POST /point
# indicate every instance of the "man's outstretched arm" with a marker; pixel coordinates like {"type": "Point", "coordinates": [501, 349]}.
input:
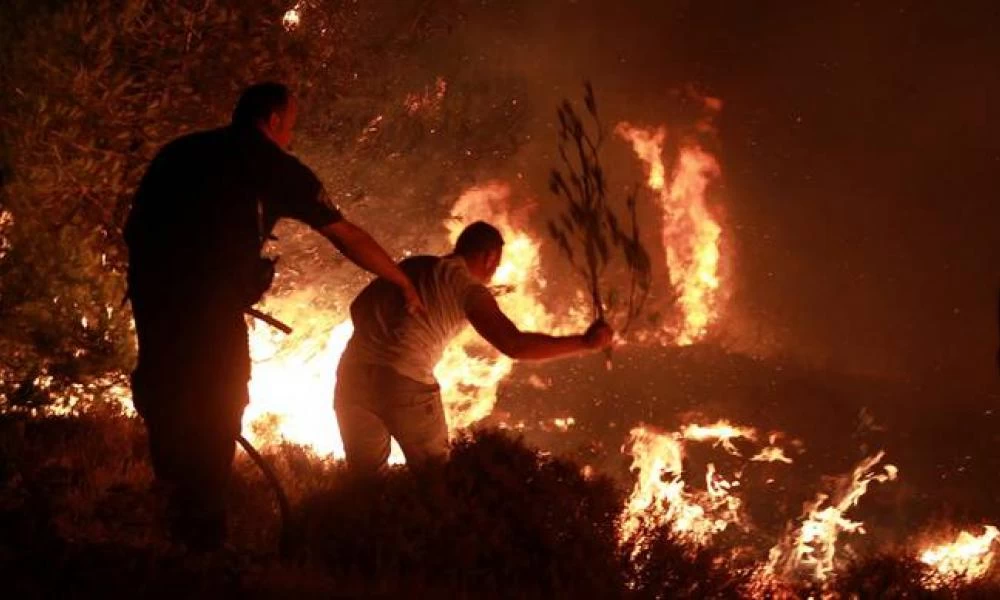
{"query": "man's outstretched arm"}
{"type": "Point", "coordinates": [489, 321]}
{"type": "Point", "coordinates": [361, 249]}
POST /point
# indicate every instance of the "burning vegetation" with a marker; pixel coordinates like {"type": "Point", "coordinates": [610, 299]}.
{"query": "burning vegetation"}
{"type": "Point", "coordinates": [677, 524]}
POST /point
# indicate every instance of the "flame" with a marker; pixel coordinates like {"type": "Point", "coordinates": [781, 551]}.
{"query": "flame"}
{"type": "Point", "coordinates": [291, 388]}
{"type": "Point", "coordinates": [813, 546]}
{"type": "Point", "coordinates": [470, 370]}
{"type": "Point", "coordinates": [722, 432]}
{"type": "Point", "coordinates": [969, 557]}
{"type": "Point", "coordinates": [690, 234]}
{"type": "Point", "coordinates": [661, 497]}
{"type": "Point", "coordinates": [771, 452]}
{"type": "Point", "coordinates": [293, 380]}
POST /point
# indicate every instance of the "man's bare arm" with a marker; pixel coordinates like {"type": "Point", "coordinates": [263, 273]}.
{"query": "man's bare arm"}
{"type": "Point", "coordinates": [361, 249]}
{"type": "Point", "coordinates": [489, 321]}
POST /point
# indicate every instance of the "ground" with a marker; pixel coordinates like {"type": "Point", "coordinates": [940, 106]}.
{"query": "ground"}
{"type": "Point", "coordinates": [79, 512]}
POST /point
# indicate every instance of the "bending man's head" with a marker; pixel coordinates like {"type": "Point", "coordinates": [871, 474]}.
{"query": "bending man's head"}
{"type": "Point", "coordinates": [269, 107]}
{"type": "Point", "coordinates": [481, 245]}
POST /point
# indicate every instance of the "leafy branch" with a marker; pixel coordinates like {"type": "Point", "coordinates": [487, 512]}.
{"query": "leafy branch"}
{"type": "Point", "coordinates": [588, 232]}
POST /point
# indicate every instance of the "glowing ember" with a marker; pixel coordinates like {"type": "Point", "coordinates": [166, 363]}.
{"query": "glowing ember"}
{"type": "Point", "coordinates": [967, 558]}
{"type": "Point", "coordinates": [429, 100]}
{"type": "Point", "coordinates": [291, 18]}
{"type": "Point", "coordinates": [690, 234]}
{"type": "Point", "coordinates": [6, 224]}
{"type": "Point", "coordinates": [561, 424]}
{"type": "Point", "coordinates": [812, 547]}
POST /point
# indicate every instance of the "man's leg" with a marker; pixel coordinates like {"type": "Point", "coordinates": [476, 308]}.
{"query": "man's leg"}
{"type": "Point", "coordinates": [190, 387]}
{"type": "Point", "coordinates": [416, 419]}
{"type": "Point", "coordinates": [209, 444]}
{"type": "Point", "coordinates": [365, 436]}
{"type": "Point", "coordinates": [216, 397]}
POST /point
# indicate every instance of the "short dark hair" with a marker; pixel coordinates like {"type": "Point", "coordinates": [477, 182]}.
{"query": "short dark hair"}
{"type": "Point", "coordinates": [477, 238]}
{"type": "Point", "coordinates": [259, 101]}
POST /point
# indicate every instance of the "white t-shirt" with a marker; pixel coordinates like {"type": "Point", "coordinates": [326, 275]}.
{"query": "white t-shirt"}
{"type": "Point", "coordinates": [386, 334]}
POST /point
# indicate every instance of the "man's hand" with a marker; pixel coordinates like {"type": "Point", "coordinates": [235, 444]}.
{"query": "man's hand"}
{"type": "Point", "coordinates": [359, 247]}
{"type": "Point", "coordinates": [414, 305]}
{"type": "Point", "coordinates": [598, 335]}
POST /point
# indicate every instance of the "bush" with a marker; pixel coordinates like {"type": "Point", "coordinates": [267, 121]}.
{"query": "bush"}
{"type": "Point", "coordinates": [664, 566]}
{"type": "Point", "coordinates": [497, 518]}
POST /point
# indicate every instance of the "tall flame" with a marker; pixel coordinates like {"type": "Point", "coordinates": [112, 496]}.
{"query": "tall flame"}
{"type": "Point", "coordinates": [690, 234]}
{"type": "Point", "coordinates": [967, 558]}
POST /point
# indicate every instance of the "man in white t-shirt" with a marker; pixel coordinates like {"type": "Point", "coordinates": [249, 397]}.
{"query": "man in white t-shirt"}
{"type": "Point", "coordinates": [385, 382]}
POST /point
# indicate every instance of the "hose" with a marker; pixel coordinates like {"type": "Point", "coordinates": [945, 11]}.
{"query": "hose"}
{"type": "Point", "coordinates": [284, 507]}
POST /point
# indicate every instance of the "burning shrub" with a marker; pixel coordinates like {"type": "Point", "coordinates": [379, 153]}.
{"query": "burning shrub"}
{"type": "Point", "coordinates": [661, 564]}
{"type": "Point", "coordinates": [898, 575]}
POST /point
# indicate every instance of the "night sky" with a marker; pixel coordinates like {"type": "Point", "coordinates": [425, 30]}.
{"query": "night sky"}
{"type": "Point", "coordinates": [860, 152]}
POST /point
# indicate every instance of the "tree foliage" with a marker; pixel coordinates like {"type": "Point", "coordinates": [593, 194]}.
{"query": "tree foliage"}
{"type": "Point", "coordinates": [96, 87]}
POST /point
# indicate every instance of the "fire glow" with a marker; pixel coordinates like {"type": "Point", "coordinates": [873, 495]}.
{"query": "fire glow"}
{"type": "Point", "coordinates": [690, 234]}
{"type": "Point", "coordinates": [969, 557]}
{"type": "Point", "coordinates": [662, 498]}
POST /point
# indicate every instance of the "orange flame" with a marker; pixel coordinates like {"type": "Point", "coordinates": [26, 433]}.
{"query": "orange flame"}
{"type": "Point", "coordinates": [771, 452]}
{"type": "Point", "coordinates": [813, 546]}
{"type": "Point", "coordinates": [662, 498]}
{"type": "Point", "coordinates": [722, 432]}
{"type": "Point", "coordinates": [291, 390]}
{"type": "Point", "coordinates": [690, 234]}
{"type": "Point", "coordinates": [968, 558]}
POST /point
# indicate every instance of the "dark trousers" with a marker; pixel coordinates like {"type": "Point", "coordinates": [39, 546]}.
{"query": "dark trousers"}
{"type": "Point", "coordinates": [190, 387]}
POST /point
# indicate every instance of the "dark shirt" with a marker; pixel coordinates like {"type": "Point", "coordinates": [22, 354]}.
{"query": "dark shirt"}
{"type": "Point", "coordinates": [205, 206]}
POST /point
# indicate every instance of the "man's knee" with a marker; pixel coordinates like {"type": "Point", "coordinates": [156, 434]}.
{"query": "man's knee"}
{"type": "Point", "coordinates": [365, 438]}
{"type": "Point", "coordinates": [421, 429]}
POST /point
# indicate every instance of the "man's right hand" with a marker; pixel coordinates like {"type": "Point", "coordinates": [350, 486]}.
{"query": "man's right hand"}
{"type": "Point", "coordinates": [598, 335]}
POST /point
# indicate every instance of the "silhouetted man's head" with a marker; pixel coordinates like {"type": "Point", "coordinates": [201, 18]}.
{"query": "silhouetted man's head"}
{"type": "Point", "coordinates": [481, 245]}
{"type": "Point", "coordinates": [269, 107]}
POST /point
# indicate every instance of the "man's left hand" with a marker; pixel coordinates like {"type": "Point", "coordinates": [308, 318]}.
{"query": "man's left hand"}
{"type": "Point", "coordinates": [414, 305]}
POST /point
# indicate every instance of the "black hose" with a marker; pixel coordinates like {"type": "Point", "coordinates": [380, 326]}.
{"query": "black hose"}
{"type": "Point", "coordinates": [284, 507]}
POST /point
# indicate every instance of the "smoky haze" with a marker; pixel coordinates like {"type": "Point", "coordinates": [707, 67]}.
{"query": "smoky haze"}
{"type": "Point", "coordinates": [858, 149]}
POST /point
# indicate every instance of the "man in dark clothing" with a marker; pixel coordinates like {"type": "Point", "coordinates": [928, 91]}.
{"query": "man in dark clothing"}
{"type": "Point", "coordinates": [195, 232]}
